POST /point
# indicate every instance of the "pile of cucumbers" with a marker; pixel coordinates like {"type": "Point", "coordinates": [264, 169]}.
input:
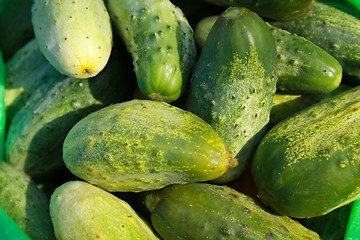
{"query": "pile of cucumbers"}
{"type": "Point", "coordinates": [159, 119]}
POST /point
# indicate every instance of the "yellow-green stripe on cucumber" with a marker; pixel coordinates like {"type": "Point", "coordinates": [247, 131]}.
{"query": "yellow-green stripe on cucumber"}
{"type": "Point", "coordinates": [233, 82]}
{"type": "Point", "coordinates": [142, 145]}
{"type": "Point", "coordinates": [308, 164]}
{"type": "Point", "coordinates": [80, 210]}
{"type": "Point", "coordinates": [208, 211]}
{"type": "Point", "coordinates": [161, 43]}
{"type": "Point", "coordinates": [75, 36]}
{"type": "Point", "coordinates": [333, 30]}
{"type": "Point", "coordinates": [302, 66]}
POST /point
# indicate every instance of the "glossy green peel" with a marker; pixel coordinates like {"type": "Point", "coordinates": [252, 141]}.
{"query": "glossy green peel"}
{"type": "Point", "coordinates": [161, 43]}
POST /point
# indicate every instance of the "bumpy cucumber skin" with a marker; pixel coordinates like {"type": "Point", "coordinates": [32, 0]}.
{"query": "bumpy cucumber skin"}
{"type": "Point", "coordinates": [207, 211]}
{"type": "Point", "coordinates": [233, 83]}
{"type": "Point", "coordinates": [307, 165]}
{"type": "Point", "coordinates": [332, 30]}
{"type": "Point", "coordinates": [142, 145]}
{"type": "Point", "coordinates": [274, 9]}
{"type": "Point", "coordinates": [26, 70]}
{"type": "Point", "coordinates": [302, 66]}
{"type": "Point", "coordinates": [161, 43]}
{"type": "Point", "coordinates": [80, 210]}
{"type": "Point", "coordinates": [75, 36]}
{"type": "Point", "coordinates": [38, 129]}
{"type": "Point", "coordinates": [285, 105]}
{"type": "Point", "coordinates": [25, 203]}
{"type": "Point", "coordinates": [15, 25]}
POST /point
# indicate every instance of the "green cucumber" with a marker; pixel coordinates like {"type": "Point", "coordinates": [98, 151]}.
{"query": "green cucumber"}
{"type": "Point", "coordinates": [80, 210]}
{"type": "Point", "coordinates": [161, 43]}
{"type": "Point", "coordinates": [308, 164]}
{"type": "Point", "coordinates": [208, 211]}
{"type": "Point", "coordinates": [345, 6]}
{"type": "Point", "coordinates": [37, 131]}
{"type": "Point", "coordinates": [142, 145]}
{"type": "Point", "coordinates": [302, 66]}
{"type": "Point", "coordinates": [75, 36]}
{"type": "Point", "coordinates": [10, 229]}
{"type": "Point", "coordinates": [233, 83]}
{"type": "Point", "coordinates": [15, 25]}
{"type": "Point", "coordinates": [274, 9]}
{"type": "Point", "coordinates": [285, 104]}
{"type": "Point", "coordinates": [24, 203]}
{"type": "Point", "coordinates": [333, 30]}
{"type": "Point", "coordinates": [26, 70]}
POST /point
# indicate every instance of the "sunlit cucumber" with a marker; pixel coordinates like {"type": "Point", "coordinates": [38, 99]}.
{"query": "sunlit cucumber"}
{"type": "Point", "coordinates": [141, 145]}
{"type": "Point", "coordinates": [75, 36]}
{"type": "Point", "coordinates": [23, 202]}
{"type": "Point", "coordinates": [302, 66]}
{"type": "Point", "coordinates": [308, 164]}
{"type": "Point", "coordinates": [161, 43]}
{"type": "Point", "coordinates": [274, 9]}
{"type": "Point", "coordinates": [233, 83]}
{"type": "Point", "coordinates": [333, 30]}
{"type": "Point", "coordinates": [37, 131]}
{"type": "Point", "coordinates": [80, 210]}
{"type": "Point", "coordinates": [206, 211]}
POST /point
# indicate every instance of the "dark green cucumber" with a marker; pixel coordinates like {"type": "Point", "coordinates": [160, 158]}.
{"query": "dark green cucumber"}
{"type": "Point", "coordinates": [233, 83]}
{"type": "Point", "coordinates": [80, 210]}
{"type": "Point", "coordinates": [15, 25]}
{"type": "Point", "coordinates": [207, 211]}
{"type": "Point", "coordinates": [345, 6]}
{"type": "Point", "coordinates": [142, 145]}
{"type": "Point", "coordinates": [37, 131]}
{"type": "Point", "coordinates": [285, 105]}
{"type": "Point", "coordinates": [308, 164]}
{"type": "Point", "coordinates": [274, 9]}
{"type": "Point", "coordinates": [302, 66]}
{"type": "Point", "coordinates": [161, 42]}
{"type": "Point", "coordinates": [333, 30]}
{"type": "Point", "coordinates": [23, 202]}
{"type": "Point", "coordinates": [26, 70]}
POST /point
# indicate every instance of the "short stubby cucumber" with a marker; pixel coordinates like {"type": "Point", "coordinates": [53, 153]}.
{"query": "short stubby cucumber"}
{"type": "Point", "coordinates": [302, 66]}
{"type": "Point", "coordinates": [274, 9]}
{"type": "Point", "coordinates": [80, 210]}
{"type": "Point", "coordinates": [25, 203]}
{"type": "Point", "coordinates": [233, 82]}
{"type": "Point", "coordinates": [26, 70]}
{"type": "Point", "coordinates": [142, 145]}
{"type": "Point", "coordinates": [334, 31]}
{"type": "Point", "coordinates": [308, 164]}
{"type": "Point", "coordinates": [74, 36]}
{"type": "Point", "coordinates": [208, 211]}
{"type": "Point", "coordinates": [37, 131]}
{"type": "Point", "coordinates": [161, 43]}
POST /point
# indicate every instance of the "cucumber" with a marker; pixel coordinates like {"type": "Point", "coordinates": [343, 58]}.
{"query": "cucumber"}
{"type": "Point", "coordinates": [10, 229]}
{"type": "Point", "coordinates": [82, 211]}
{"type": "Point", "coordinates": [37, 131]}
{"type": "Point", "coordinates": [141, 145]}
{"type": "Point", "coordinates": [75, 36]}
{"type": "Point", "coordinates": [333, 30]}
{"type": "Point", "coordinates": [302, 66]}
{"type": "Point", "coordinates": [208, 211]}
{"type": "Point", "coordinates": [161, 43]}
{"type": "Point", "coordinates": [26, 70]}
{"type": "Point", "coordinates": [285, 104]}
{"type": "Point", "coordinates": [274, 9]}
{"type": "Point", "coordinates": [345, 6]}
{"type": "Point", "coordinates": [233, 83]}
{"type": "Point", "coordinates": [15, 25]}
{"type": "Point", "coordinates": [24, 203]}
{"type": "Point", "coordinates": [308, 164]}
